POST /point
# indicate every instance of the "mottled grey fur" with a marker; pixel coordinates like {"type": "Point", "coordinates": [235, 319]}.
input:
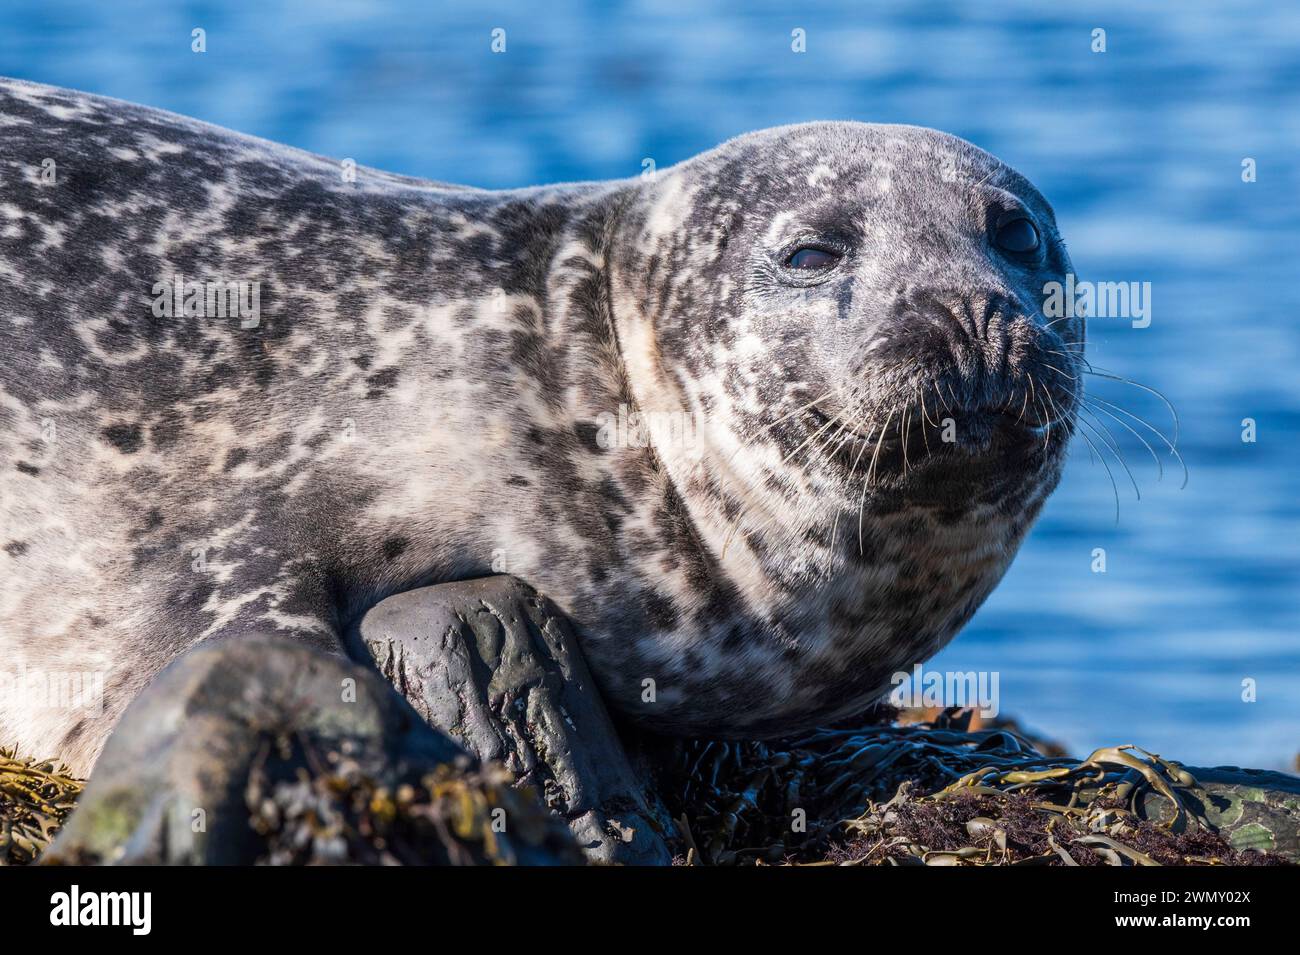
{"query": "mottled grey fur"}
{"type": "Point", "coordinates": [428, 396]}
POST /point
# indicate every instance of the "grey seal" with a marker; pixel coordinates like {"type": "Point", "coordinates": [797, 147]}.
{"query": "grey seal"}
{"type": "Point", "coordinates": [768, 425]}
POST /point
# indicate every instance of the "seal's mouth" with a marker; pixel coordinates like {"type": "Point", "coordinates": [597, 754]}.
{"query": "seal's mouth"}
{"type": "Point", "coordinates": [929, 440]}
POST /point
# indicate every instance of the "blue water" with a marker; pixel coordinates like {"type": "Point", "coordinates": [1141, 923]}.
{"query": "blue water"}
{"type": "Point", "coordinates": [1139, 148]}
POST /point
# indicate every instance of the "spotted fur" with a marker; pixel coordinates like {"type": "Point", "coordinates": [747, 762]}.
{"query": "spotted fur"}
{"type": "Point", "coordinates": [427, 397]}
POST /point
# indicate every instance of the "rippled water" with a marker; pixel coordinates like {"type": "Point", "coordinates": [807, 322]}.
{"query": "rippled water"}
{"type": "Point", "coordinates": [1139, 149]}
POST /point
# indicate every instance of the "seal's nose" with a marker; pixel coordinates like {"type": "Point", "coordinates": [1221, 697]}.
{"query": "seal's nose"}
{"type": "Point", "coordinates": [981, 329]}
{"type": "Point", "coordinates": [984, 354]}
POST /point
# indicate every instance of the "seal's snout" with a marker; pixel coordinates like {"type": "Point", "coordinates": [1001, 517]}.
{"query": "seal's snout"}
{"type": "Point", "coordinates": [980, 331]}
{"type": "Point", "coordinates": [976, 373]}
{"type": "Point", "coordinates": [996, 363]}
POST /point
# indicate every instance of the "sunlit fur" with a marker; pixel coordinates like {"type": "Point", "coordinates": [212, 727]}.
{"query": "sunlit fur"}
{"type": "Point", "coordinates": [427, 396]}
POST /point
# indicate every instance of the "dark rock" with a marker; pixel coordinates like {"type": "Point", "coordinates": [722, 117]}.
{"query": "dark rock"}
{"type": "Point", "coordinates": [209, 763]}
{"type": "Point", "coordinates": [496, 666]}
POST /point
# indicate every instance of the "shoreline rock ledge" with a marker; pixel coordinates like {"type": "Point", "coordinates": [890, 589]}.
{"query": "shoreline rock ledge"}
{"type": "Point", "coordinates": [499, 749]}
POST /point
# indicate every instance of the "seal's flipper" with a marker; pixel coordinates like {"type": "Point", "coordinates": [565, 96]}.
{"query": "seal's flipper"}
{"type": "Point", "coordinates": [257, 749]}
{"type": "Point", "coordinates": [495, 665]}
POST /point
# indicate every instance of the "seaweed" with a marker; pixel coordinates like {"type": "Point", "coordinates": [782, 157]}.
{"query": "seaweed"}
{"type": "Point", "coordinates": [872, 791]}
{"type": "Point", "coordinates": [334, 814]}
{"type": "Point", "coordinates": [35, 799]}
{"type": "Point", "coordinates": [932, 793]}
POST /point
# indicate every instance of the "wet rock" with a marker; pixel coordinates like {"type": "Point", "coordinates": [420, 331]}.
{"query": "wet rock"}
{"type": "Point", "coordinates": [1250, 808]}
{"type": "Point", "coordinates": [238, 744]}
{"type": "Point", "coordinates": [868, 792]}
{"type": "Point", "coordinates": [496, 666]}
{"type": "Point", "coordinates": [451, 816]}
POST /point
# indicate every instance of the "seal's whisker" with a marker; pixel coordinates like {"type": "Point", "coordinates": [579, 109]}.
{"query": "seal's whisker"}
{"type": "Point", "coordinates": [1107, 439]}
{"type": "Point", "coordinates": [812, 437]}
{"type": "Point", "coordinates": [875, 455]}
{"type": "Point", "coordinates": [843, 436]}
{"type": "Point", "coordinates": [1114, 487]}
{"type": "Point", "coordinates": [797, 411]}
{"type": "Point", "coordinates": [906, 430]}
{"type": "Point", "coordinates": [1071, 416]}
{"type": "Point", "coordinates": [1056, 414]}
{"type": "Point", "coordinates": [785, 417]}
{"type": "Point", "coordinates": [1057, 321]}
{"type": "Point", "coordinates": [831, 446]}
{"type": "Point", "coordinates": [857, 459]}
{"type": "Point", "coordinates": [853, 470]}
{"type": "Point", "coordinates": [1150, 427]}
{"type": "Point", "coordinates": [952, 395]}
{"type": "Point", "coordinates": [742, 446]}
{"type": "Point", "coordinates": [1111, 376]}
{"type": "Point", "coordinates": [835, 419]}
{"type": "Point", "coordinates": [986, 178]}
{"type": "Point", "coordinates": [924, 410]}
{"type": "Point", "coordinates": [1024, 406]}
{"type": "Point", "coordinates": [1077, 356]}
{"type": "Point", "coordinates": [866, 482]}
{"type": "Point", "coordinates": [835, 441]}
{"type": "Point", "coordinates": [1059, 372]}
{"type": "Point", "coordinates": [925, 435]}
{"type": "Point", "coordinates": [1160, 467]}
{"type": "Point", "coordinates": [1033, 394]}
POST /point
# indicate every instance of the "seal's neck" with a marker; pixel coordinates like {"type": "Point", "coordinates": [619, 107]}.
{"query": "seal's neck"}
{"type": "Point", "coordinates": [708, 502]}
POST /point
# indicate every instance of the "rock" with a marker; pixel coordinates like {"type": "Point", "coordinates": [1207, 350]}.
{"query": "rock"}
{"type": "Point", "coordinates": [265, 750]}
{"type": "Point", "coordinates": [216, 760]}
{"type": "Point", "coordinates": [871, 792]}
{"type": "Point", "coordinates": [1250, 808]}
{"type": "Point", "coordinates": [496, 666]}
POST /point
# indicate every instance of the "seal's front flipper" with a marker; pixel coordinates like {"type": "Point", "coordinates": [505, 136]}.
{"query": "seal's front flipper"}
{"type": "Point", "coordinates": [266, 749]}
{"type": "Point", "coordinates": [496, 666]}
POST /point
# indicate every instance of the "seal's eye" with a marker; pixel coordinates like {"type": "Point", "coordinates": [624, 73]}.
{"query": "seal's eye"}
{"type": "Point", "coordinates": [1018, 235]}
{"type": "Point", "coordinates": [812, 258]}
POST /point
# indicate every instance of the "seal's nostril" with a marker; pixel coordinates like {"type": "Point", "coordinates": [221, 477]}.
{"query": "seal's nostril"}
{"type": "Point", "coordinates": [982, 343]}
{"type": "Point", "coordinates": [978, 316]}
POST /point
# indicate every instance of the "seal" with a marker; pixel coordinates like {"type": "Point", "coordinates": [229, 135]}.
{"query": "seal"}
{"type": "Point", "coordinates": [768, 425]}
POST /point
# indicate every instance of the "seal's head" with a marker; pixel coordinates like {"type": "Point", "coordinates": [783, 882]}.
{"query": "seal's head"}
{"type": "Point", "coordinates": [851, 315]}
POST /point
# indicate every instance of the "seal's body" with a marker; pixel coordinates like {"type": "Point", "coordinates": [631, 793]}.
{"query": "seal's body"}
{"type": "Point", "coordinates": [769, 425]}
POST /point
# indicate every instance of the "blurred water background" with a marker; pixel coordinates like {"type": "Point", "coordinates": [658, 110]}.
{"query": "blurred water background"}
{"type": "Point", "coordinates": [1139, 149]}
